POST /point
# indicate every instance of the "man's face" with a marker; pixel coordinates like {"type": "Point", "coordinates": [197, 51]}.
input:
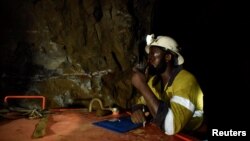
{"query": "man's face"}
{"type": "Point", "coordinates": [156, 60]}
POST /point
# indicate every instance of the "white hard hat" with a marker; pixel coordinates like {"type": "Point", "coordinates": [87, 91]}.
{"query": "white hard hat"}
{"type": "Point", "coordinates": [165, 42]}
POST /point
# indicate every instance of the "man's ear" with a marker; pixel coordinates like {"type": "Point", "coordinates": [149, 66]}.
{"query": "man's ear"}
{"type": "Point", "coordinates": [168, 57]}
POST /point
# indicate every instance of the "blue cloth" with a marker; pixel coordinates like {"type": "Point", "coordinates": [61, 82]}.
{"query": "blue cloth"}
{"type": "Point", "coordinates": [122, 124]}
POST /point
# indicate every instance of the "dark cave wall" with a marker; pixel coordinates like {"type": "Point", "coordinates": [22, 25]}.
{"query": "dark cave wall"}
{"type": "Point", "coordinates": [71, 50]}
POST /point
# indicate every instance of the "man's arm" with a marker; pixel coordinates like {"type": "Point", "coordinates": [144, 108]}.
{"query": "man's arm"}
{"type": "Point", "coordinates": [140, 83]}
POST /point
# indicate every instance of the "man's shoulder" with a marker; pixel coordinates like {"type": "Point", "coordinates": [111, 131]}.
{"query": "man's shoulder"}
{"type": "Point", "coordinates": [185, 75]}
{"type": "Point", "coordinates": [185, 72]}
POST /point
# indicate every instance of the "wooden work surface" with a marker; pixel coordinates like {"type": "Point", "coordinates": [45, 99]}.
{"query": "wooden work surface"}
{"type": "Point", "coordinates": [76, 125]}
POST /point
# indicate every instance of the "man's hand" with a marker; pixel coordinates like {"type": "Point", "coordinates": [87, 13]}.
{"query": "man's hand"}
{"type": "Point", "coordinates": [138, 116]}
{"type": "Point", "coordinates": [138, 78]}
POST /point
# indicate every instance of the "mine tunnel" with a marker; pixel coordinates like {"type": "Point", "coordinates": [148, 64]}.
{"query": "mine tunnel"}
{"type": "Point", "coordinates": [66, 64]}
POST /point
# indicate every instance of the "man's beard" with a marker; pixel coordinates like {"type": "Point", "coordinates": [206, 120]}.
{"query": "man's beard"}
{"type": "Point", "coordinates": [159, 69]}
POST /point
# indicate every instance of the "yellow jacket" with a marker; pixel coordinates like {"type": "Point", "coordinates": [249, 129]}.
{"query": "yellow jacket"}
{"type": "Point", "coordinates": [185, 98]}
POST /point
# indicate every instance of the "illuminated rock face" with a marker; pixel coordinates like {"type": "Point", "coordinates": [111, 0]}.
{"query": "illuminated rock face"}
{"type": "Point", "coordinates": [71, 51]}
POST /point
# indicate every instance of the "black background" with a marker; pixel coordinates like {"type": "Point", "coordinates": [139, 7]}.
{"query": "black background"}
{"type": "Point", "coordinates": [214, 37]}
